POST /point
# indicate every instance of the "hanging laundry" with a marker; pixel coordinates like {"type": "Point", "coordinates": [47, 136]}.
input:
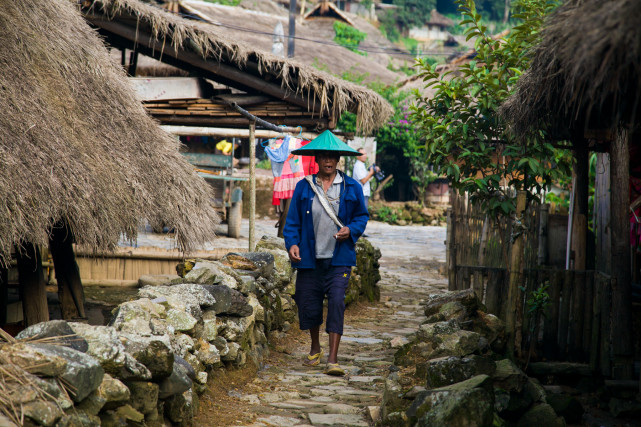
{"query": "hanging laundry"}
{"type": "Point", "coordinates": [287, 168]}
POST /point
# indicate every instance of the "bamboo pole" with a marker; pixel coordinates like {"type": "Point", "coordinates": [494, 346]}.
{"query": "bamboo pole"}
{"type": "Point", "coordinates": [514, 309]}
{"type": "Point", "coordinates": [252, 186]}
{"type": "Point", "coordinates": [232, 133]}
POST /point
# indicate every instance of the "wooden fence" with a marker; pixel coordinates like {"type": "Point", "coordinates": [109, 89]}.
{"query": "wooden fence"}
{"type": "Point", "coordinates": [575, 325]}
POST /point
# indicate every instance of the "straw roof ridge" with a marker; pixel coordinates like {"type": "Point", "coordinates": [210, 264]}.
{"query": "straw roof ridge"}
{"type": "Point", "coordinates": [586, 69]}
{"type": "Point", "coordinates": [334, 95]}
{"type": "Point", "coordinates": [77, 147]}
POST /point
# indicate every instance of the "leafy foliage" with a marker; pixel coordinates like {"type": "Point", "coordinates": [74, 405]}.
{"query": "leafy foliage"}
{"type": "Point", "coordinates": [349, 37]}
{"type": "Point", "coordinates": [467, 140]}
{"type": "Point", "coordinates": [226, 2]}
{"type": "Point", "coordinates": [413, 13]}
{"type": "Point", "coordinates": [387, 214]}
{"type": "Point", "coordinates": [493, 9]}
{"type": "Point", "coordinates": [389, 26]}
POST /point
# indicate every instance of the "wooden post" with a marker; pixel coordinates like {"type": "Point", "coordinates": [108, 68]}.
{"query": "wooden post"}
{"type": "Point", "coordinates": [514, 309]}
{"type": "Point", "coordinates": [587, 316]}
{"type": "Point", "coordinates": [4, 295]}
{"type": "Point", "coordinates": [596, 334]}
{"type": "Point", "coordinates": [32, 285]}
{"type": "Point", "coordinates": [493, 293]}
{"type": "Point", "coordinates": [292, 29]}
{"type": "Point", "coordinates": [575, 340]}
{"type": "Point", "coordinates": [70, 291]}
{"type": "Point", "coordinates": [451, 247]}
{"type": "Point", "coordinates": [478, 275]}
{"type": "Point", "coordinates": [252, 186]}
{"type": "Point", "coordinates": [564, 312]}
{"type": "Point", "coordinates": [542, 255]}
{"type": "Point", "coordinates": [283, 217]}
{"type": "Point", "coordinates": [622, 352]}
{"type": "Point", "coordinates": [605, 349]}
{"type": "Point", "coordinates": [551, 326]}
{"type": "Point", "coordinates": [602, 213]}
{"type": "Point", "coordinates": [580, 219]}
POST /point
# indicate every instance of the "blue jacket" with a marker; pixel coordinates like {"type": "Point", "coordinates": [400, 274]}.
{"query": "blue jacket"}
{"type": "Point", "coordinates": [299, 228]}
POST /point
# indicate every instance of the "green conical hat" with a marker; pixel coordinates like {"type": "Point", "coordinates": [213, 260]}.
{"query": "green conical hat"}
{"type": "Point", "coordinates": [326, 141]}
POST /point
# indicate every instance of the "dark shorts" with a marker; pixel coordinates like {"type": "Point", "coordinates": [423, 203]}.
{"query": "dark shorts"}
{"type": "Point", "coordinates": [312, 285]}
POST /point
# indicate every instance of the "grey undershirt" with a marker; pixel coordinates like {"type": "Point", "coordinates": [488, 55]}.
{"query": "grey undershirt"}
{"type": "Point", "coordinates": [324, 227]}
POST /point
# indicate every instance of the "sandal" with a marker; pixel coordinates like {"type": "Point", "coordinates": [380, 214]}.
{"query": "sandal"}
{"type": "Point", "coordinates": [334, 369]}
{"type": "Point", "coordinates": [313, 359]}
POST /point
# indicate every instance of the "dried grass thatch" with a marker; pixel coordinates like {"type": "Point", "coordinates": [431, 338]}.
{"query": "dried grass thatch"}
{"type": "Point", "coordinates": [332, 94]}
{"type": "Point", "coordinates": [19, 386]}
{"type": "Point", "coordinates": [586, 72]}
{"type": "Point", "coordinates": [77, 146]}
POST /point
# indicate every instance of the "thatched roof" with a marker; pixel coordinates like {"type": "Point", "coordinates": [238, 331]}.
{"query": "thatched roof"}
{"type": "Point", "coordinates": [439, 19]}
{"type": "Point", "coordinates": [326, 53]}
{"type": "Point", "coordinates": [585, 72]}
{"type": "Point", "coordinates": [75, 143]}
{"type": "Point", "coordinates": [328, 94]}
{"type": "Point", "coordinates": [327, 9]}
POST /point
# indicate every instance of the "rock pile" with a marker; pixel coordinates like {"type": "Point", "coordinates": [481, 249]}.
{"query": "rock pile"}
{"type": "Point", "coordinates": [152, 361]}
{"type": "Point", "coordinates": [452, 373]}
{"type": "Point", "coordinates": [406, 213]}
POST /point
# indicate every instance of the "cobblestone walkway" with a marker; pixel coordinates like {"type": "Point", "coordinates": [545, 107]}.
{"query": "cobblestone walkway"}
{"type": "Point", "coordinates": [301, 396]}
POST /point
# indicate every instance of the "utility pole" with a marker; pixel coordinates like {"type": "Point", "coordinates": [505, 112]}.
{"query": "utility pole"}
{"type": "Point", "coordinates": [292, 28]}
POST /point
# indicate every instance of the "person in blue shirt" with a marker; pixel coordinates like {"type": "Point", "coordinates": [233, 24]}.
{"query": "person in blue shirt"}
{"type": "Point", "coordinates": [320, 249]}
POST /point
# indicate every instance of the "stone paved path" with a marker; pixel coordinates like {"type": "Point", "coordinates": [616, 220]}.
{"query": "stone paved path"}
{"type": "Point", "coordinates": [295, 395]}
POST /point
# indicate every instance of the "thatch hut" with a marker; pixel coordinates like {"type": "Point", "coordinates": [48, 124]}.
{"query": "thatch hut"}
{"type": "Point", "coordinates": [81, 160]}
{"type": "Point", "coordinates": [207, 51]}
{"type": "Point", "coordinates": [583, 86]}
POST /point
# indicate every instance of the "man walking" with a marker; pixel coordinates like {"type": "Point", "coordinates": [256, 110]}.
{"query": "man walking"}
{"type": "Point", "coordinates": [361, 174]}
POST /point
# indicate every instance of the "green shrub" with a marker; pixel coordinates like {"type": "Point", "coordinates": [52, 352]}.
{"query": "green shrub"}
{"type": "Point", "coordinates": [264, 164]}
{"type": "Point", "coordinates": [348, 36]}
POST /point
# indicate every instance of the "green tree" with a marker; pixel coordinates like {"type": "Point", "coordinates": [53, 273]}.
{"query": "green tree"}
{"type": "Point", "coordinates": [467, 140]}
{"type": "Point", "coordinates": [413, 13]}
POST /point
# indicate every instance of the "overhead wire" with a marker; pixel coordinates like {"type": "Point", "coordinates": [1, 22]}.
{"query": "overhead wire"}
{"type": "Point", "coordinates": [364, 48]}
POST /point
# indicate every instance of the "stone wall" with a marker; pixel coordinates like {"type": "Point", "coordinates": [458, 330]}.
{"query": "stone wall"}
{"type": "Point", "coordinates": [453, 372]}
{"type": "Point", "coordinates": [151, 362]}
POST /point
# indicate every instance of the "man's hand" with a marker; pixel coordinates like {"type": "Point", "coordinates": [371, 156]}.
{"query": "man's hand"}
{"type": "Point", "coordinates": [343, 234]}
{"type": "Point", "coordinates": [294, 253]}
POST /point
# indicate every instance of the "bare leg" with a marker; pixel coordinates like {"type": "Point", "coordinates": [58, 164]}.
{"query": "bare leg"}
{"type": "Point", "coordinates": [314, 334]}
{"type": "Point", "coordinates": [334, 341]}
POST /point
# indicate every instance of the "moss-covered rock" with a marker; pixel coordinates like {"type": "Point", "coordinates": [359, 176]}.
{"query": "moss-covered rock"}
{"type": "Point", "coordinates": [468, 403]}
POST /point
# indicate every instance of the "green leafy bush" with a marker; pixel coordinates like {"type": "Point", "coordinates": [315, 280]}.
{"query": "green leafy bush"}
{"type": "Point", "coordinates": [348, 36]}
{"type": "Point", "coordinates": [264, 164]}
{"type": "Point", "coordinates": [467, 139]}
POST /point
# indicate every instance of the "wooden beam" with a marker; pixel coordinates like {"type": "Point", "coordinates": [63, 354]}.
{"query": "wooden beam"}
{"type": "Point", "coordinates": [32, 285]}
{"type": "Point", "coordinates": [212, 68]}
{"type": "Point", "coordinates": [70, 291]}
{"type": "Point", "coordinates": [307, 124]}
{"type": "Point", "coordinates": [622, 352]}
{"type": "Point", "coordinates": [228, 133]}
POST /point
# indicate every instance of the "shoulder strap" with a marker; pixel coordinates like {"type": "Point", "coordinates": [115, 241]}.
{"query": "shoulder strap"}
{"type": "Point", "coordinates": [324, 202]}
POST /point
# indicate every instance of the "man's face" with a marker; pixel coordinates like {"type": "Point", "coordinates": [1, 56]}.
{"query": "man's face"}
{"type": "Point", "coordinates": [363, 155]}
{"type": "Point", "coordinates": [327, 163]}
